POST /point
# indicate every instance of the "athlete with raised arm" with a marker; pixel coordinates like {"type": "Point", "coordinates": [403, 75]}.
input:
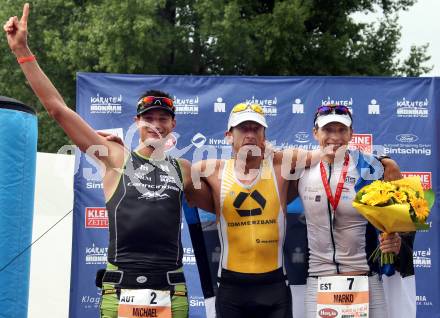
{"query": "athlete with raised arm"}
{"type": "Point", "coordinates": [143, 192]}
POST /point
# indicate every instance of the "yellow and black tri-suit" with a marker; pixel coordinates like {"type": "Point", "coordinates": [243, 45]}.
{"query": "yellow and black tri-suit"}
{"type": "Point", "coordinates": [251, 226]}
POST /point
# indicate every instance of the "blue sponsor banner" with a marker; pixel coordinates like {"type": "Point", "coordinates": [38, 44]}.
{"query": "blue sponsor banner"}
{"type": "Point", "coordinates": [394, 116]}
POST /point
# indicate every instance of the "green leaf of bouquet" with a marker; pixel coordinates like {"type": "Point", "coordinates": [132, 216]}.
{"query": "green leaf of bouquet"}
{"type": "Point", "coordinates": [375, 255]}
{"type": "Point", "coordinates": [430, 197]}
{"type": "Point", "coordinates": [358, 197]}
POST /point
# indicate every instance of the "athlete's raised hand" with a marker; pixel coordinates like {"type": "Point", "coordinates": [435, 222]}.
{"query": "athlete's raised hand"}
{"type": "Point", "coordinates": [16, 30]}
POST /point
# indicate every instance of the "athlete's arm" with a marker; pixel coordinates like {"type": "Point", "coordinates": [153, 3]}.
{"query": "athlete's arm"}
{"type": "Point", "coordinates": [391, 169]}
{"type": "Point", "coordinates": [292, 191]}
{"type": "Point", "coordinates": [197, 194]}
{"type": "Point", "coordinates": [74, 126]}
{"type": "Point", "coordinates": [293, 161]}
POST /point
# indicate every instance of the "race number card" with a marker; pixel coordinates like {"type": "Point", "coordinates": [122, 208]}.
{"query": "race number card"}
{"type": "Point", "coordinates": [342, 297]}
{"type": "Point", "coordinates": [146, 303]}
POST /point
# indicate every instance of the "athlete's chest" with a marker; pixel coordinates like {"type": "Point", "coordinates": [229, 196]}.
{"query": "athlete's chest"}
{"type": "Point", "coordinates": [249, 198]}
{"type": "Point", "coordinates": [152, 180]}
{"type": "Point", "coordinates": [334, 183]}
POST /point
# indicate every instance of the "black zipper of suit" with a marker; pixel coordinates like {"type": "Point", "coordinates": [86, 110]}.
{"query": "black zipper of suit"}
{"type": "Point", "coordinates": [331, 220]}
{"type": "Point", "coordinates": [155, 165]}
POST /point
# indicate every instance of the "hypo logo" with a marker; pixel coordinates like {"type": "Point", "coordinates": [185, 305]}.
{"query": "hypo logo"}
{"type": "Point", "coordinates": [422, 258]}
{"type": "Point", "coordinates": [96, 217]}
{"type": "Point", "coordinates": [407, 138]}
{"type": "Point", "coordinates": [187, 106]}
{"type": "Point", "coordinates": [425, 178]}
{"type": "Point", "coordinates": [268, 105]}
{"type": "Point", "coordinates": [363, 142]}
{"type": "Point", "coordinates": [218, 143]}
{"type": "Point", "coordinates": [327, 313]}
{"type": "Point", "coordinates": [412, 108]}
{"type": "Point", "coordinates": [96, 255]}
{"type": "Point", "coordinates": [297, 107]}
{"type": "Point", "coordinates": [302, 137]}
{"type": "Point", "coordinates": [219, 106]}
{"type": "Point", "coordinates": [198, 140]}
{"type": "Point", "coordinates": [105, 104]}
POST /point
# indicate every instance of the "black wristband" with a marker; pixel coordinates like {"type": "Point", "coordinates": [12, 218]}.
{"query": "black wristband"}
{"type": "Point", "coordinates": [381, 157]}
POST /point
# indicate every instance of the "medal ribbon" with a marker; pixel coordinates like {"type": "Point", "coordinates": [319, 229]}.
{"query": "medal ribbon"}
{"type": "Point", "coordinates": [334, 201]}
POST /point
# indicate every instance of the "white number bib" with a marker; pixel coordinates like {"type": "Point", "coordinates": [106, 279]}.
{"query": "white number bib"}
{"type": "Point", "coordinates": [342, 297]}
{"type": "Point", "coordinates": [136, 303]}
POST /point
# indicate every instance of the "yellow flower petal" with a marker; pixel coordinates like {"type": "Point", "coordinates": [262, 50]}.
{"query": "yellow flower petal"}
{"type": "Point", "coordinates": [400, 197]}
{"type": "Point", "coordinates": [421, 208]}
{"type": "Point", "coordinates": [413, 183]}
{"type": "Point", "coordinates": [376, 197]}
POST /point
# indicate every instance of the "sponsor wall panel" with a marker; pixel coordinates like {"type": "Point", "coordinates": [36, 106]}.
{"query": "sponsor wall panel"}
{"type": "Point", "coordinates": [391, 116]}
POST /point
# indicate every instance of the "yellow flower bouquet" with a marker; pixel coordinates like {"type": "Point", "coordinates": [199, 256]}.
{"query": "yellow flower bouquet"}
{"type": "Point", "coordinates": [395, 206]}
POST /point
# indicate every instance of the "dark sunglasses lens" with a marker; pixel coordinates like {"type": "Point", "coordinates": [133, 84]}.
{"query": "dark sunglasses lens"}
{"type": "Point", "coordinates": [161, 101]}
{"type": "Point", "coordinates": [341, 110]}
{"type": "Point", "coordinates": [324, 110]}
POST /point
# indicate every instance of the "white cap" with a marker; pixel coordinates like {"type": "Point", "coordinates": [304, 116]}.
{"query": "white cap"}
{"type": "Point", "coordinates": [246, 115]}
{"type": "Point", "coordinates": [323, 120]}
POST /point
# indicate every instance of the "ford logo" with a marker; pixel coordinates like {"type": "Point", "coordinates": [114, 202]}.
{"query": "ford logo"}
{"type": "Point", "coordinates": [327, 312]}
{"type": "Point", "coordinates": [407, 138]}
{"type": "Point", "coordinates": [302, 137]}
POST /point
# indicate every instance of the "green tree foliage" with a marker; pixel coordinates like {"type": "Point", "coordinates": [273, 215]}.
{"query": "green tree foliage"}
{"type": "Point", "coordinates": [414, 65]}
{"type": "Point", "coordinates": [233, 37]}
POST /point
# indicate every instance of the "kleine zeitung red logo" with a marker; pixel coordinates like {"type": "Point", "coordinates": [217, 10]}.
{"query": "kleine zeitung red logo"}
{"type": "Point", "coordinates": [425, 178]}
{"type": "Point", "coordinates": [96, 217]}
{"type": "Point", "coordinates": [363, 142]}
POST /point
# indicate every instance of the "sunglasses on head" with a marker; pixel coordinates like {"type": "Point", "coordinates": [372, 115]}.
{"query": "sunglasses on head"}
{"type": "Point", "coordinates": [149, 101]}
{"type": "Point", "coordinates": [333, 109]}
{"type": "Point", "coordinates": [242, 107]}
